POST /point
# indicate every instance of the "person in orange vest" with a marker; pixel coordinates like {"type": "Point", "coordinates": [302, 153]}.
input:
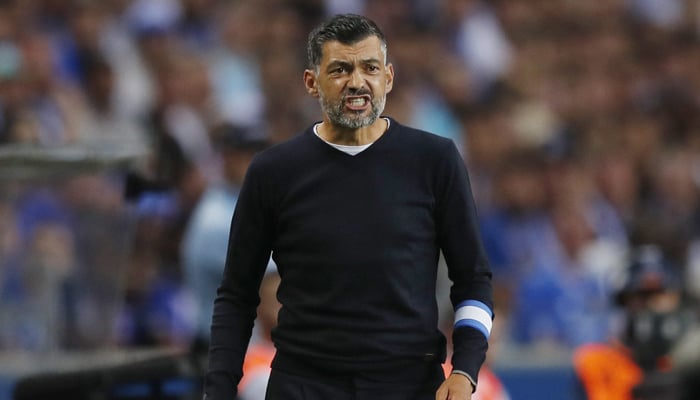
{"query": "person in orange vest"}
{"type": "Point", "coordinates": [606, 371]}
{"type": "Point", "coordinates": [256, 366]}
{"type": "Point", "coordinates": [628, 367]}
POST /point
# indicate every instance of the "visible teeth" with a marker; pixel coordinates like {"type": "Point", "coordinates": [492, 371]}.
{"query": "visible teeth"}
{"type": "Point", "coordinates": [358, 102]}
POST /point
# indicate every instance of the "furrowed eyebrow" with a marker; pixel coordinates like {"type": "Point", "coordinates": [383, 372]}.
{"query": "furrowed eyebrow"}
{"type": "Point", "coordinates": [370, 61]}
{"type": "Point", "coordinates": [342, 63]}
{"type": "Point", "coordinates": [338, 63]}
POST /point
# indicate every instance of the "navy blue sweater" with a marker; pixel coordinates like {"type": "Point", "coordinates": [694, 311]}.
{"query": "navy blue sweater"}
{"type": "Point", "coordinates": [356, 240]}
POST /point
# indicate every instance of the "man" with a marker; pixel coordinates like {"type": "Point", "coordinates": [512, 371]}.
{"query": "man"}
{"type": "Point", "coordinates": [355, 211]}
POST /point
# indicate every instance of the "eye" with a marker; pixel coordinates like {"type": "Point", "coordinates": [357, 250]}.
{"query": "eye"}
{"type": "Point", "coordinates": [338, 70]}
{"type": "Point", "coordinates": [372, 68]}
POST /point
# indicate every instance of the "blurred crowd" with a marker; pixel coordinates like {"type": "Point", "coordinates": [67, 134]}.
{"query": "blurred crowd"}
{"type": "Point", "coordinates": [579, 122]}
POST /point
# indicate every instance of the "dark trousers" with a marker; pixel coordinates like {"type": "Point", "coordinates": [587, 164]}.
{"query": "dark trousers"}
{"type": "Point", "coordinates": [410, 383]}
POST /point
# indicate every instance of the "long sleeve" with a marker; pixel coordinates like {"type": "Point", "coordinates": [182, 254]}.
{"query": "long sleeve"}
{"type": "Point", "coordinates": [237, 297]}
{"type": "Point", "coordinates": [468, 269]}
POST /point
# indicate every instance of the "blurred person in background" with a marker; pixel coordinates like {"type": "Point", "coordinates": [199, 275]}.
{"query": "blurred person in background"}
{"type": "Point", "coordinates": [474, 32]}
{"type": "Point", "coordinates": [235, 64]}
{"type": "Point", "coordinates": [354, 323]}
{"type": "Point", "coordinates": [101, 124]}
{"type": "Point", "coordinates": [669, 212]}
{"type": "Point", "coordinates": [280, 116]}
{"type": "Point", "coordinates": [157, 309]}
{"type": "Point", "coordinates": [185, 116]}
{"type": "Point", "coordinates": [430, 94]}
{"type": "Point", "coordinates": [182, 160]}
{"type": "Point", "coordinates": [551, 241]}
{"type": "Point", "coordinates": [515, 218]}
{"type": "Point", "coordinates": [206, 236]}
{"type": "Point", "coordinates": [196, 25]}
{"type": "Point", "coordinates": [50, 104]}
{"type": "Point", "coordinates": [41, 290]}
{"type": "Point", "coordinates": [10, 86]}
{"type": "Point", "coordinates": [655, 316]}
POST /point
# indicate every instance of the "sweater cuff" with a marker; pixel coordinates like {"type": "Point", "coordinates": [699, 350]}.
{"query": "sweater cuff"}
{"type": "Point", "coordinates": [458, 372]}
{"type": "Point", "coordinates": [469, 350]}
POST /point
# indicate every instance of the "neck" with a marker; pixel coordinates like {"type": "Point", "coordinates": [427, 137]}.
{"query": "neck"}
{"type": "Point", "coordinates": [352, 137]}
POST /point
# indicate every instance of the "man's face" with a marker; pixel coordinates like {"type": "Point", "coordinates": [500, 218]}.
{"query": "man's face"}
{"type": "Point", "coordinates": [352, 82]}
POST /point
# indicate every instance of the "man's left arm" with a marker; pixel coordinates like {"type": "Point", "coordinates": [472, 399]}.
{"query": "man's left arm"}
{"type": "Point", "coordinates": [471, 293]}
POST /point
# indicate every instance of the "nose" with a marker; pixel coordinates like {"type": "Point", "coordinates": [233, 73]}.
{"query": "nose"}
{"type": "Point", "coordinates": [356, 81]}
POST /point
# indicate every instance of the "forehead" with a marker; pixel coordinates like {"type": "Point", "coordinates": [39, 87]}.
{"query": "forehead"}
{"type": "Point", "coordinates": [368, 48]}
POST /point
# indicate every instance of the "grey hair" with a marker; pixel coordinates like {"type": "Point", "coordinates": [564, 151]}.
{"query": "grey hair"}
{"type": "Point", "coordinates": [344, 28]}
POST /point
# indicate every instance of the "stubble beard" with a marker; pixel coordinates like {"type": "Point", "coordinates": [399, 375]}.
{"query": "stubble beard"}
{"type": "Point", "coordinates": [348, 119]}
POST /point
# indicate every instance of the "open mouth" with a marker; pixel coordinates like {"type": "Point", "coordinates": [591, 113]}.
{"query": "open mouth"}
{"type": "Point", "coordinates": [357, 103]}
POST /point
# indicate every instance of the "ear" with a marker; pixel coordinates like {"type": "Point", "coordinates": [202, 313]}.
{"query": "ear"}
{"type": "Point", "coordinates": [389, 77]}
{"type": "Point", "coordinates": [310, 82]}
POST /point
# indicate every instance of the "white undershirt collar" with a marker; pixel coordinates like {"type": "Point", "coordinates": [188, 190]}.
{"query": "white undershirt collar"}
{"type": "Point", "coordinates": [352, 150]}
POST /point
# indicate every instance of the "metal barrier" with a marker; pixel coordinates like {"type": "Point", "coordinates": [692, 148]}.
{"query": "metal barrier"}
{"type": "Point", "coordinates": [64, 242]}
